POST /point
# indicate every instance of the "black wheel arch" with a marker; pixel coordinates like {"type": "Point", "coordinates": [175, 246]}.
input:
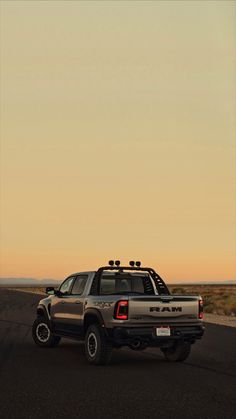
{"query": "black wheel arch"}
{"type": "Point", "coordinates": [42, 311]}
{"type": "Point", "coordinates": [93, 316]}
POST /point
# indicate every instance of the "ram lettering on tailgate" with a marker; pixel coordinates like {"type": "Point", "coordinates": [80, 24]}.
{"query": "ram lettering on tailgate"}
{"type": "Point", "coordinates": [169, 309]}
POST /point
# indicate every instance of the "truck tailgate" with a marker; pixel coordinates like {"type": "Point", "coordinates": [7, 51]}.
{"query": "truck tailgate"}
{"type": "Point", "coordinates": [168, 308]}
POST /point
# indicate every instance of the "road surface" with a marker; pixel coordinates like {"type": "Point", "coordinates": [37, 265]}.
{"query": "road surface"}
{"type": "Point", "coordinates": [58, 383]}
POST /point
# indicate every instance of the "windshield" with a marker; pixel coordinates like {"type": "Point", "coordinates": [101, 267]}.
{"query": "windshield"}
{"type": "Point", "coordinates": [126, 284]}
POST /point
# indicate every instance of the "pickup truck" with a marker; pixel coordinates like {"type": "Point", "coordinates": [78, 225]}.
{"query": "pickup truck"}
{"type": "Point", "coordinates": [118, 306]}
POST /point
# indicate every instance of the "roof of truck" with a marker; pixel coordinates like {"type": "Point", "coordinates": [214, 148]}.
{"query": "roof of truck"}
{"type": "Point", "coordinates": [83, 273]}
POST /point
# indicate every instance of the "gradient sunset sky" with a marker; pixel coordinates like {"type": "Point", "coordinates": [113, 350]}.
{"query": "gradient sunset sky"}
{"type": "Point", "coordinates": [118, 137]}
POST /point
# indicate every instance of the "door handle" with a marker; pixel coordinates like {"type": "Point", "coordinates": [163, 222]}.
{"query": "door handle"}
{"type": "Point", "coordinates": [78, 302]}
{"type": "Point", "coordinates": [63, 302]}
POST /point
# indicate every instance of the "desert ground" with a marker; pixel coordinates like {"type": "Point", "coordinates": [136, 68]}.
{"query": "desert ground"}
{"type": "Point", "coordinates": [218, 299]}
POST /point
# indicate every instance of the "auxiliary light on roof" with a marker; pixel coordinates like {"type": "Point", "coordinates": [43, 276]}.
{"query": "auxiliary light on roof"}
{"type": "Point", "coordinates": [111, 262]}
{"type": "Point", "coordinates": [133, 263]}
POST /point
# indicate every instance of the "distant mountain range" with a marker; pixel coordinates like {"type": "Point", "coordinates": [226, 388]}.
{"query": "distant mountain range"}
{"type": "Point", "coordinates": [227, 282]}
{"type": "Point", "coordinates": [33, 282]}
{"type": "Point", "coordinates": [29, 282]}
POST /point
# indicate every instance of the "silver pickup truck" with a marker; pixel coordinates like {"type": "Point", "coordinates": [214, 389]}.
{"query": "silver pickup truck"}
{"type": "Point", "coordinates": [118, 306]}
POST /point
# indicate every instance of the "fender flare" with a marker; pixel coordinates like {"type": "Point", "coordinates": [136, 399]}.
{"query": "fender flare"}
{"type": "Point", "coordinates": [41, 309]}
{"type": "Point", "coordinates": [98, 315]}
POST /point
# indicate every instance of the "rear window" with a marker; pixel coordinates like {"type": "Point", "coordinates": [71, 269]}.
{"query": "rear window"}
{"type": "Point", "coordinates": [123, 284]}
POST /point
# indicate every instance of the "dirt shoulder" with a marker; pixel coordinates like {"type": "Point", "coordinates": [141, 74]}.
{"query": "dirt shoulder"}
{"type": "Point", "coordinates": [218, 319]}
{"type": "Point", "coordinates": [32, 290]}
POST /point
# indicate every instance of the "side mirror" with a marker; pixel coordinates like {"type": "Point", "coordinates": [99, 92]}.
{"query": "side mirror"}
{"type": "Point", "coordinates": [58, 293]}
{"type": "Point", "coordinates": [50, 290]}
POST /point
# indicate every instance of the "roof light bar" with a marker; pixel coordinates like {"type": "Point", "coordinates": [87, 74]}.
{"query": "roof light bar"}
{"type": "Point", "coordinates": [131, 263]}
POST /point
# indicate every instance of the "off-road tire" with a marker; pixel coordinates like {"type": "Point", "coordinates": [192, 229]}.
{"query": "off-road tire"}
{"type": "Point", "coordinates": [98, 349]}
{"type": "Point", "coordinates": [42, 335]}
{"type": "Point", "coordinates": [178, 353]}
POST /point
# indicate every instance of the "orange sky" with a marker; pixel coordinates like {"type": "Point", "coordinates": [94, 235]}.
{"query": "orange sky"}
{"type": "Point", "coordinates": [118, 137]}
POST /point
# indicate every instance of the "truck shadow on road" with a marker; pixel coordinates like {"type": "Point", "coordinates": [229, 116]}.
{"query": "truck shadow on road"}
{"type": "Point", "coordinates": [74, 352]}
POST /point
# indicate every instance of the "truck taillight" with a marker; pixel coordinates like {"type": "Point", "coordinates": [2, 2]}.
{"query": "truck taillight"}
{"type": "Point", "coordinates": [121, 310]}
{"type": "Point", "coordinates": [200, 309]}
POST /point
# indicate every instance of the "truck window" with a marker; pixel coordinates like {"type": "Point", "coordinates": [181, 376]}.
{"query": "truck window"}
{"type": "Point", "coordinates": [65, 287]}
{"type": "Point", "coordinates": [79, 285]}
{"type": "Point", "coordinates": [123, 284]}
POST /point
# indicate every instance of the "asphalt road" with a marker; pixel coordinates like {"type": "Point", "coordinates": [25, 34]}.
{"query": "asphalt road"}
{"type": "Point", "coordinates": [58, 383]}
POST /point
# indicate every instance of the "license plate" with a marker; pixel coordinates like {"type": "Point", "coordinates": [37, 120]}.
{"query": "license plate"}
{"type": "Point", "coordinates": [163, 331]}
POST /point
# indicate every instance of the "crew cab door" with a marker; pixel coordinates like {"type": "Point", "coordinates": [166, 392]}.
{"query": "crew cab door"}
{"type": "Point", "coordinates": [67, 308]}
{"type": "Point", "coordinates": [77, 299]}
{"type": "Point", "coordinates": [60, 302]}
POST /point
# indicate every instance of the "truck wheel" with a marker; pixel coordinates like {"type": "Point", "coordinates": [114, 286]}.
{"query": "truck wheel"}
{"type": "Point", "coordinates": [42, 334]}
{"type": "Point", "coordinates": [179, 352]}
{"type": "Point", "coordinates": [98, 349]}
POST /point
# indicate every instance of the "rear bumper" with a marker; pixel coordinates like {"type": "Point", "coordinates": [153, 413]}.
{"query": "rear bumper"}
{"type": "Point", "coordinates": [127, 335]}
